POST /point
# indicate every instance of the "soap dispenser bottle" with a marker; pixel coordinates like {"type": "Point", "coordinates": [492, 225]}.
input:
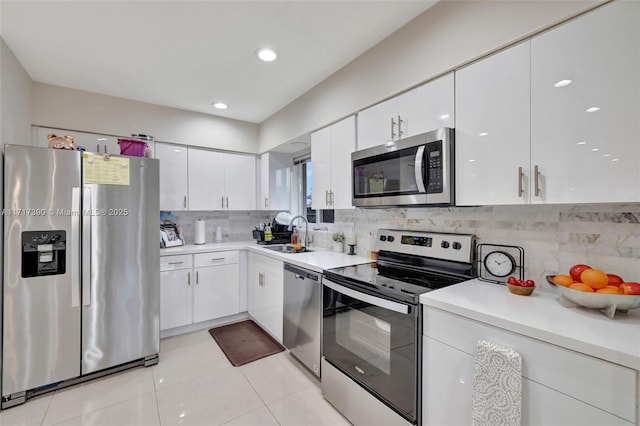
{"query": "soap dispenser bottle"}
{"type": "Point", "coordinates": [294, 236]}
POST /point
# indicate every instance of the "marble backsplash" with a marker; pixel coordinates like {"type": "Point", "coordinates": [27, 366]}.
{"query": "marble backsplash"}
{"type": "Point", "coordinates": [236, 225]}
{"type": "Point", "coordinates": [554, 237]}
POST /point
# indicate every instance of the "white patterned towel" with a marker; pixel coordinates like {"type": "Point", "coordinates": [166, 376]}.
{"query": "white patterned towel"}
{"type": "Point", "coordinates": [497, 386]}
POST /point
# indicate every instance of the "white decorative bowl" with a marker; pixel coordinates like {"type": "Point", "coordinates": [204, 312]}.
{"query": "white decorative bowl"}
{"type": "Point", "coordinates": [607, 303]}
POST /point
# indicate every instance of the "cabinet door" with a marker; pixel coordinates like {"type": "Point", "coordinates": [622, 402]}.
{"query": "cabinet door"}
{"type": "Point", "coordinates": [273, 303]}
{"type": "Point", "coordinates": [206, 179]}
{"type": "Point", "coordinates": [378, 124]}
{"type": "Point", "coordinates": [263, 200]}
{"type": "Point", "coordinates": [216, 292]}
{"type": "Point", "coordinates": [175, 298]}
{"type": "Point", "coordinates": [584, 135]}
{"type": "Point", "coordinates": [279, 181]}
{"type": "Point", "coordinates": [427, 107]}
{"type": "Point", "coordinates": [239, 182]}
{"type": "Point", "coordinates": [173, 176]}
{"type": "Point", "coordinates": [343, 143]}
{"type": "Point", "coordinates": [492, 129]}
{"type": "Point", "coordinates": [321, 164]}
{"type": "Point", "coordinates": [253, 285]}
{"type": "Point", "coordinates": [447, 384]}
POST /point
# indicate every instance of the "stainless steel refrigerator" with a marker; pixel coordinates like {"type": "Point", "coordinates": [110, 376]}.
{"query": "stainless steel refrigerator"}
{"type": "Point", "coordinates": [81, 290]}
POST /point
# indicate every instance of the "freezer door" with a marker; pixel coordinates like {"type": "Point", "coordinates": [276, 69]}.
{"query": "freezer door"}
{"type": "Point", "coordinates": [121, 267]}
{"type": "Point", "coordinates": [41, 289]}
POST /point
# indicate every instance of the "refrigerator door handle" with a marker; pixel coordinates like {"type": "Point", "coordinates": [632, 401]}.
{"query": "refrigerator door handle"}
{"type": "Point", "coordinates": [86, 247]}
{"type": "Point", "coordinates": [75, 247]}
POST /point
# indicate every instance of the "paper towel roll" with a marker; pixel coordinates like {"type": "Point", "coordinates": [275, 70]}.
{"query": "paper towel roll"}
{"type": "Point", "coordinates": [199, 232]}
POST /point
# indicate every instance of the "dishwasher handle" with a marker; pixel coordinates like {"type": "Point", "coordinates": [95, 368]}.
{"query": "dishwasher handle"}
{"type": "Point", "coordinates": [303, 273]}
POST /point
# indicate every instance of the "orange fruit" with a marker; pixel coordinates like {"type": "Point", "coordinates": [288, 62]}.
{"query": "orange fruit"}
{"type": "Point", "coordinates": [563, 280]}
{"type": "Point", "coordinates": [610, 289]}
{"type": "Point", "coordinates": [594, 278]}
{"type": "Point", "coordinates": [581, 287]}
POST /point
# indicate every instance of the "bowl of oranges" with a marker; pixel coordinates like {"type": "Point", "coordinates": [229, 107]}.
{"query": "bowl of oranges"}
{"type": "Point", "coordinates": [593, 288]}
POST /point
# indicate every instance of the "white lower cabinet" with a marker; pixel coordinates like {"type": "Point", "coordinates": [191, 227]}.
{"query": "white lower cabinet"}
{"type": "Point", "coordinates": [199, 287]}
{"type": "Point", "coordinates": [559, 386]}
{"type": "Point", "coordinates": [266, 293]}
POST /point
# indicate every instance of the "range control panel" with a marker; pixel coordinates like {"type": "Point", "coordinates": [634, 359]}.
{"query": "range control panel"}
{"type": "Point", "coordinates": [438, 245]}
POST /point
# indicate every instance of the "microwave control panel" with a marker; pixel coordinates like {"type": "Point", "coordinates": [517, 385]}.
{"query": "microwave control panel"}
{"type": "Point", "coordinates": [435, 171]}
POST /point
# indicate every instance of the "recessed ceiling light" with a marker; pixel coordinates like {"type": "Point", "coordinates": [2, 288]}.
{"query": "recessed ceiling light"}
{"type": "Point", "coordinates": [103, 139]}
{"type": "Point", "coordinates": [267, 54]}
{"type": "Point", "coordinates": [607, 155]}
{"type": "Point", "coordinates": [593, 109]}
{"type": "Point", "coordinates": [615, 159]}
{"type": "Point", "coordinates": [483, 134]}
{"type": "Point", "coordinates": [581, 143]}
{"type": "Point", "coordinates": [444, 116]}
{"type": "Point", "coordinates": [177, 150]}
{"type": "Point", "coordinates": [220, 105]}
{"type": "Point", "coordinates": [471, 160]}
{"type": "Point", "coordinates": [563, 83]}
{"type": "Point", "coordinates": [595, 149]}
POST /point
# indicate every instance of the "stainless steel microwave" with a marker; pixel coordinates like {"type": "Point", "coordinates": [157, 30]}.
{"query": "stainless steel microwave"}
{"type": "Point", "coordinates": [417, 170]}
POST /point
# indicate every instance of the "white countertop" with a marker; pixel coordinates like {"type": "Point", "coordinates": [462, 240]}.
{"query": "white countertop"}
{"type": "Point", "coordinates": [541, 316]}
{"type": "Point", "coordinates": [317, 260]}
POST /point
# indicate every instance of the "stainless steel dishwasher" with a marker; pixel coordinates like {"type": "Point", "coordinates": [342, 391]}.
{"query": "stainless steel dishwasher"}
{"type": "Point", "coordinates": [301, 319]}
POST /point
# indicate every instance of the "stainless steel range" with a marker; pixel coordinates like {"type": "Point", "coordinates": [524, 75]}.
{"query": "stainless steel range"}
{"type": "Point", "coordinates": [372, 323]}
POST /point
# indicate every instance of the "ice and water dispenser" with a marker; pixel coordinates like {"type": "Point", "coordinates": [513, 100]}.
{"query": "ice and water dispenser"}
{"type": "Point", "coordinates": [43, 253]}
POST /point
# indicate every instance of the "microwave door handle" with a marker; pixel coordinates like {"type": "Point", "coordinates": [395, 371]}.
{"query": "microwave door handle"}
{"type": "Point", "coordinates": [367, 298]}
{"type": "Point", "coordinates": [419, 169]}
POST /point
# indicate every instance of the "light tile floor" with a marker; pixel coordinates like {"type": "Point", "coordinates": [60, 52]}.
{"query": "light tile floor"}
{"type": "Point", "coordinates": [194, 384]}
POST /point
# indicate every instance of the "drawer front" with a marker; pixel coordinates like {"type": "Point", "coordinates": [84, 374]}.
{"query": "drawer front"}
{"type": "Point", "coordinates": [216, 258]}
{"type": "Point", "coordinates": [172, 263]}
{"type": "Point", "coordinates": [605, 385]}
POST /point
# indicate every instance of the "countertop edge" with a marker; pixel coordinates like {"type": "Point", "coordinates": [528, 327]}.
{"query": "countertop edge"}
{"type": "Point", "coordinates": [619, 357]}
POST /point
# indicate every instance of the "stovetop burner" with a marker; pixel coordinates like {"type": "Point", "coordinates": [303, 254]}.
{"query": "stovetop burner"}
{"type": "Point", "coordinates": [411, 263]}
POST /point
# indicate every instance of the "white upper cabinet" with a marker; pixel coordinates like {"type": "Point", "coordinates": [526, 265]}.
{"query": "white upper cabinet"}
{"type": "Point", "coordinates": [206, 180]}
{"type": "Point", "coordinates": [221, 181]}
{"type": "Point", "coordinates": [239, 182]}
{"type": "Point", "coordinates": [321, 168]}
{"type": "Point", "coordinates": [173, 176]}
{"type": "Point", "coordinates": [492, 129]}
{"type": "Point", "coordinates": [275, 181]}
{"type": "Point", "coordinates": [585, 135]}
{"type": "Point", "coordinates": [331, 150]}
{"type": "Point", "coordinates": [419, 110]}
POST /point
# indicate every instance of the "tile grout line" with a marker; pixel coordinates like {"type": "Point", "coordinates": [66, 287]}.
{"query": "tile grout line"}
{"type": "Point", "coordinates": [47, 410]}
{"type": "Point", "coordinates": [257, 393]}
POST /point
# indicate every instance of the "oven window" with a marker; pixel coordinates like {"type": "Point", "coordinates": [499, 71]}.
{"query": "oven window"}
{"type": "Point", "coordinates": [375, 346]}
{"type": "Point", "coordinates": [392, 173]}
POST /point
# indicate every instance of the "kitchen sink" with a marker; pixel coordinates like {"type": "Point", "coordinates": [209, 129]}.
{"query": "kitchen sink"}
{"type": "Point", "coordinates": [282, 249]}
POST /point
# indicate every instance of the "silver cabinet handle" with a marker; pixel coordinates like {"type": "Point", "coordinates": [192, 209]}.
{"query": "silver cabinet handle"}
{"type": "Point", "coordinates": [326, 197]}
{"type": "Point", "coordinates": [98, 148]}
{"type": "Point", "coordinates": [176, 263]}
{"type": "Point", "coordinates": [105, 149]}
{"type": "Point", "coordinates": [222, 204]}
{"type": "Point", "coordinates": [197, 278]}
{"type": "Point", "coordinates": [332, 194]}
{"type": "Point", "coordinates": [298, 277]}
{"type": "Point", "coordinates": [536, 178]}
{"type": "Point", "coordinates": [215, 259]}
{"type": "Point", "coordinates": [184, 203]}
{"type": "Point", "coordinates": [393, 131]}
{"type": "Point", "coordinates": [227, 202]}
{"type": "Point", "coordinates": [400, 121]}
{"type": "Point", "coordinates": [188, 278]}
{"type": "Point", "coordinates": [520, 177]}
{"type": "Point", "coordinates": [266, 202]}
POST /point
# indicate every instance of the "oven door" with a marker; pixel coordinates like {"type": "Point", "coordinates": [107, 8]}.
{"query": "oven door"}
{"type": "Point", "coordinates": [414, 170]}
{"type": "Point", "coordinates": [375, 342]}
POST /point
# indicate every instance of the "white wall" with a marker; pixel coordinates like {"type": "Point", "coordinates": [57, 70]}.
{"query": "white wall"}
{"type": "Point", "coordinates": [15, 100]}
{"type": "Point", "coordinates": [60, 107]}
{"type": "Point", "coordinates": [444, 37]}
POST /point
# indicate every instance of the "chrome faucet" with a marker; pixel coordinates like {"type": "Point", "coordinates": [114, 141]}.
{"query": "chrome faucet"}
{"type": "Point", "coordinates": [306, 229]}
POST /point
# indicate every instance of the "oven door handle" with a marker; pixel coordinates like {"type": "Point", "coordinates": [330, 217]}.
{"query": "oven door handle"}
{"type": "Point", "coordinates": [418, 169]}
{"type": "Point", "coordinates": [377, 301]}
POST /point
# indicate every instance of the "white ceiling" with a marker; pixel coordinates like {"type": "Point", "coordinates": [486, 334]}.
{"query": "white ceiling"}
{"type": "Point", "coordinates": [187, 54]}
